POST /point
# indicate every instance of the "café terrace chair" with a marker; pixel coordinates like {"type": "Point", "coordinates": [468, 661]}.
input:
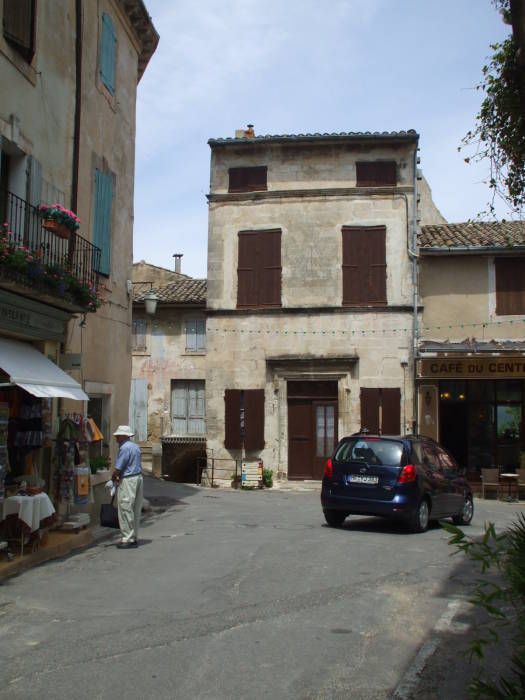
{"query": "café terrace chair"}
{"type": "Point", "coordinates": [521, 480]}
{"type": "Point", "coordinates": [490, 480]}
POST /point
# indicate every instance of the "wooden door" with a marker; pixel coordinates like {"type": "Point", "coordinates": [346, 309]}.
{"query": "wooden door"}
{"type": "Point", "coordinates": [312, 427]}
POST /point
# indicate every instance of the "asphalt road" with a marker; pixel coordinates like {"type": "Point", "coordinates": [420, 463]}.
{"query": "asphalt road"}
{"type": "Point", "coordinates": [236, 595]}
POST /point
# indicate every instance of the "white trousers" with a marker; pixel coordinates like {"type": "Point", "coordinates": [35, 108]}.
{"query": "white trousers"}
{"type": "Point", "coordinates": [129, 507]}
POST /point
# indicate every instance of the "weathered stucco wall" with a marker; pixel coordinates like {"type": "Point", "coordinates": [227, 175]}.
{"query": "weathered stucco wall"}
{"type": "Point", "coordinates": [164, 360]}
{"type": "Point", "coordinates": [295, 168]}
{"type": "Point", "coordinates": [311, 246]}
{"type": "Point", "coordinates": [459, 297]}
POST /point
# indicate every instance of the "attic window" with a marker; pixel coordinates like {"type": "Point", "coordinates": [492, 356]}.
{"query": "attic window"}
{"type": "Point", "coordinates": [248, 179]}
{"type": "Point", "coordinates": [376, 173]}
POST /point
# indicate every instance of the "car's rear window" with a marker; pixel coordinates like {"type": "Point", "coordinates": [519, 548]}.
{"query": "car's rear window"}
{"type": "Point", "coordinates": [371, 451]}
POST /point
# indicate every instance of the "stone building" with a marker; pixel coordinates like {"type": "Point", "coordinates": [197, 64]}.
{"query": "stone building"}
{"type": "Point", "coordinates": [312, 305]}
{"type": "Point", "coordinates": [167, 402]}
{"type": "Point", "coordinates": [68, 77]}
{"type": "Point", "coordinates": [471, 354]}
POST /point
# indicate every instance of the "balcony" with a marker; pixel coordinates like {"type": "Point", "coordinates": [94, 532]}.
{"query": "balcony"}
{"type": "Point", "coordinates": [41, 265]}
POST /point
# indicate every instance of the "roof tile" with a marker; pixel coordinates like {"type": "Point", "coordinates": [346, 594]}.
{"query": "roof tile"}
{"type": "Point", "coordinates": [481, 234]}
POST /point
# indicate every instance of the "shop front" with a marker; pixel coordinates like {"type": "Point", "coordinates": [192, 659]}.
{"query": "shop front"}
{"type": "Point", "coordinates": [473, 405]}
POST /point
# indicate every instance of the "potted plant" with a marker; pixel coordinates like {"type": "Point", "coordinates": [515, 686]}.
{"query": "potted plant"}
{"type": "Point", "coordinates": [59, 220]}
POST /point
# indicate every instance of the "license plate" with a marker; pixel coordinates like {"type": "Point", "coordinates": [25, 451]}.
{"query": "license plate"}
{"type": "Point", "coordinates": [360, 479]}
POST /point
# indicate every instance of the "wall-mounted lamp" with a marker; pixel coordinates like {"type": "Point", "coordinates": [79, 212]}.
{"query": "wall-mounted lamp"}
{"type": "Point", "coordinates": [150, 302]}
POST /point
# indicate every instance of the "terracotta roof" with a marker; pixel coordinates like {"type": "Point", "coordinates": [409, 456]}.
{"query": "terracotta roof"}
{"type": "Point", "coordinates": [481, 234]}
{"type": "Point", "coordinates": [409, 135]}
{"type": "Point", "coordinates": [184, 291]}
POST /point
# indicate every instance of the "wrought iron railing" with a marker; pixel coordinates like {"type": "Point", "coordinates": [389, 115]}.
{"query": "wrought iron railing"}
{"type": "Point", "coordinates": [76, 256]}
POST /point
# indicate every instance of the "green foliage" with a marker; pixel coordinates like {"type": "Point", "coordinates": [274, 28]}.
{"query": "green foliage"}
{"type": "Point", "coordinates": [23, 261]}
{"type": "Point", "coordinates": [499, 135]}
{"type": "Point", "coordinates": [267, 476]}
{"type": "Point", "coordinates": [502, 598]}
{"type": "Point", "coordinates": [98, 464]}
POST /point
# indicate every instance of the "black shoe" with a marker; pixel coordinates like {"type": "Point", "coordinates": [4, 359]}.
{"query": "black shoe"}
{"type": "Point", "coordinates": [127, 545]}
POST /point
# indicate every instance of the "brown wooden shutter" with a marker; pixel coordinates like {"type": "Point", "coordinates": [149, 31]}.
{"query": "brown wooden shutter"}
{"type": "Point", "coordinates": [364, 266]}
{"type": "Point", "coordinates": [391, 411]}
{"type": "Point", "coordinates": [18, 25]}
{"type": "Point", "coordinates": [510, 286]}
{"type": "Point", "coordinates": [246, 270]}
{"type": "Point", "coordinates": [248, 179]}
{"type": "Point", "coordinates": [269, 261]}
{"type": "Point", "coordinates": [253, 419]}
{"type": "Point", "coordinates": [376, 174]}
{"type": "Point", "coordinates": [370, 409]}
{"type": "Point", "coordinates": [232, 419]}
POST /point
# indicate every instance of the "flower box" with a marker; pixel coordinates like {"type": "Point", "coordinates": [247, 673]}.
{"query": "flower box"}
{"type": "Point", "coordinates": [59, 229]}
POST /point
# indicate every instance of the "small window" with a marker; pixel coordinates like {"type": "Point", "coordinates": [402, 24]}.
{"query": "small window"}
{"type": "Point", "coordinates": [364, 266]}
{"type": "Point", "coordinates": [19, 26]}
{"type": "Point", "coordinates": [510, 286]}
{"type": "Point", "coordinates": [196, 335]}
{"type": "Point", "coordinates": [108, 47]}
{"type": "Point", "coordinates": [139, 334]}
{"type": "Point", "coordinates": [259, 269]}
{"type": "Point", "coordinates": [376, 174]}
{"type": "Point", "coordinates": [381, 410]}
{"type": "Point", "coordinates": [248, 179]}
{"type": "Point", "coordinates": [244, 419]}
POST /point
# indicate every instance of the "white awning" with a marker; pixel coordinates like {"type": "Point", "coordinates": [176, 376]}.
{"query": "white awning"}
{"type": "Point", "coordinates": [32, 371]}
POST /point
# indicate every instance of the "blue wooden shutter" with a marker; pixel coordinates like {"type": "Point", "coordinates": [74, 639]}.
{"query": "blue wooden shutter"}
{"type": "Point", "coordinates": [191, 335]}
{"type": "Point", "coordinates": [201, 334]}
{"type": "Point", "coordinates": [107, 54]}
{"type": "Point", "coordinates": [102, 218]}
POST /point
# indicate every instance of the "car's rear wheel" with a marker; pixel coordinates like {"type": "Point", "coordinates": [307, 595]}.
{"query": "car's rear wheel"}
{"type": "Point", "coordinates": [334, 518]}
{"type": "Point", "coordinates": [421, 517]}
{"type": "Point", "coordinates": [467, 512]}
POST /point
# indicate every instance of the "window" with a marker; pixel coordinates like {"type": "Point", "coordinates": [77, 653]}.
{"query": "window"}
{"type": "Point", "coordinates": [102, 218]}
{"type": "Point", "coordinates": [510, 286]}
{"type": "Point", "coordinates": [108, 46]}
{"type": "Point", "coordinates": [196, 335]}
{"type": "Point", "coordinates": [19, 26]}
{"type": "Point", "coordinates": [188, 407]}
{"type": "Point", "coordinates": [138, 334]}
{"type": "Point", "coordinates": [259, 269]}
{"type": "Point", "coordinates": [247, 179]}
{"type": "Point", "coordinates": [244, 419]}
{"type": "Point", "coordinates": [376, 174]}
{"type": "Point", "coordinates": [364, 266]}
{"type": "Point", "coordinates": [381, 410]}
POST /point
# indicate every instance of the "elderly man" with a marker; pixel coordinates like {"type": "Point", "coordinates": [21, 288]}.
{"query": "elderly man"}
{"type": "Point", "coordinates": [128, 475]}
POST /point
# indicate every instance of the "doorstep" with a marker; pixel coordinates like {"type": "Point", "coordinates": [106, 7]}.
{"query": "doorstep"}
{"type": "Point", "coordinates": [56, 544]}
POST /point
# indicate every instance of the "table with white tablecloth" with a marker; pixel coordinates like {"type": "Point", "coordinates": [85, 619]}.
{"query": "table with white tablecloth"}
{"type": "Point", "coordinates": [29, 513]}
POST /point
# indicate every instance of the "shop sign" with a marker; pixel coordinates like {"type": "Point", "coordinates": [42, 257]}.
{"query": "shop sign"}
{"type": "Point", "coordinates": [18, 316]}
{"type": "Point", "coordinates": [472, 367]}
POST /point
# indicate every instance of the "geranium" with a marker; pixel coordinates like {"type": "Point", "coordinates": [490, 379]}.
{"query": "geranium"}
{"type": "Point", "coordinates": [59, 213]}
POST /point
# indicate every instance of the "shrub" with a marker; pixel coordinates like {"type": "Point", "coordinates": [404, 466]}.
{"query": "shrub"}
{"type": "Point", "coordinates": [267, 478]}
{"type": "Point", "coordinates": [503, 554]}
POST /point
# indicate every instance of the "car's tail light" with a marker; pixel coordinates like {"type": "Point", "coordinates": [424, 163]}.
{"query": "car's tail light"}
{"type": "Point", "coordinates": [408, 474]}
{"type": "Point", "coordinates": [329, 469]}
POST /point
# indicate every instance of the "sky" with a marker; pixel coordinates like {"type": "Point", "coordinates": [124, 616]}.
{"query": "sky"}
{"type": "Point", "coordinates": [308, 66]}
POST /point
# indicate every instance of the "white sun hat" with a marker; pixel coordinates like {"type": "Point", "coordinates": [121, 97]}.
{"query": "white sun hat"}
{"type": "Point", "coordinates": [124, 430]}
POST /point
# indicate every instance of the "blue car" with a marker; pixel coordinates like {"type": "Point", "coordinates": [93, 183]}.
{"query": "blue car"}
{"type": "Point", "coordinates": [411, 478]}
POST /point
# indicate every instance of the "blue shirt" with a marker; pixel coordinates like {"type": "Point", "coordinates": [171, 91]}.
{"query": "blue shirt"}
{"type": "Point", "coordinates": [129, 461]}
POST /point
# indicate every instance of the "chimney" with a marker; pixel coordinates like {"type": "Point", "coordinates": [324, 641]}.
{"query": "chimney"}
{"type": "Point", "coordinates": [177, 257]}
{"type": "Point", "coordinates": [247, 133]}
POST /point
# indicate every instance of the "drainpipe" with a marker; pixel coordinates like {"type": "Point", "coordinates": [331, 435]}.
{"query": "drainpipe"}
{"type": "Point", "coordinates": [415, 256]}
{"type": "Point", "coordinates": [78, 105]}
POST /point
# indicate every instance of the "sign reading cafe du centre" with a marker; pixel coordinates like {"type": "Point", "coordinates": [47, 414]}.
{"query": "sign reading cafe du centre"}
{"type": "Point", "coordinates": [472, 368]}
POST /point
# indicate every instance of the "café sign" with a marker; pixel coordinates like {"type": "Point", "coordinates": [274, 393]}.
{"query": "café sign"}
{"type": "Point", "coordinates": [472, 367]}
